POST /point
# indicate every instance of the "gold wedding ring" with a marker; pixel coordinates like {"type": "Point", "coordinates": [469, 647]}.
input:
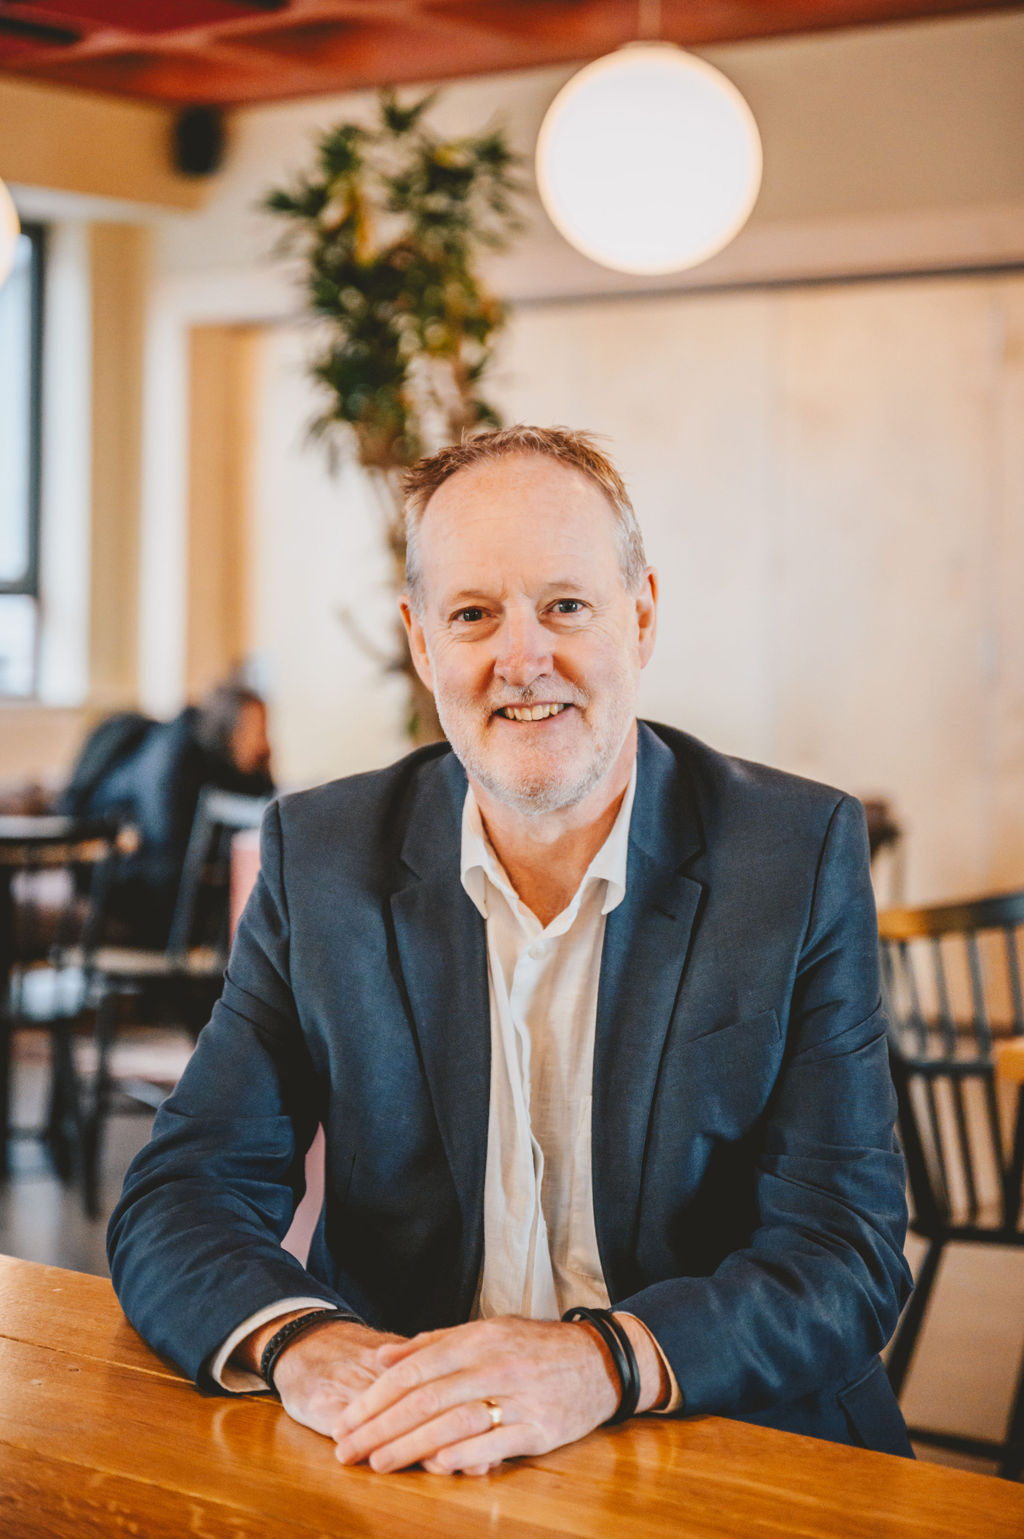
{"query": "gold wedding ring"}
{"type": "Point", "coordinates": [494, 1412]}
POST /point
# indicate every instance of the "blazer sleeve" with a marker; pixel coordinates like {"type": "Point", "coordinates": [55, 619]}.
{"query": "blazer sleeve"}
{"type": "Point", "coordinates": [194, 1242]}
{"type": "Point", "coordinates": [818, 1288]}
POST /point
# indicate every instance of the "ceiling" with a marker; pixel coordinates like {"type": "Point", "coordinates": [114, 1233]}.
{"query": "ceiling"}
{"type": "Point", "coordinates": [231, 52]}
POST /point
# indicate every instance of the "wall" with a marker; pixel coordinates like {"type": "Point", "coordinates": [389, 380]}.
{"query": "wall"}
{"type": "Point", "coordinates": [91, 145]}
{"type": "Point", "coordinates": [320, 579]}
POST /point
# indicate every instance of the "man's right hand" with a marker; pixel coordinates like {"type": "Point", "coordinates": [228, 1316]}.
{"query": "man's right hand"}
{"type": "Point", "coordinates": [318, 1373]}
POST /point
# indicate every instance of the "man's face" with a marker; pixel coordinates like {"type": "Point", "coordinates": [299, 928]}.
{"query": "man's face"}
{"type": "Point", "coordinates": [527, 635]}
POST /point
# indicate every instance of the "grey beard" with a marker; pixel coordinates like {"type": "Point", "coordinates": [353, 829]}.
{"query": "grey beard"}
{"type": "Point", "coordinates": [532, 798]}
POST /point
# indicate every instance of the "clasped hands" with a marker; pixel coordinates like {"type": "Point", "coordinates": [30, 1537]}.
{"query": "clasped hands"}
{"type": "Point", "coordinates": [430, 1399]}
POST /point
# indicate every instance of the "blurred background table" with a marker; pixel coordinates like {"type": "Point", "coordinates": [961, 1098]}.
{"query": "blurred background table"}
{"type": "Point", "coordinates": [97, 1435]}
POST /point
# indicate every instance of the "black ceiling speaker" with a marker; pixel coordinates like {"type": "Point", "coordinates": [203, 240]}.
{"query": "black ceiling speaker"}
{"type": "Point", "coordinates": [198, 140]}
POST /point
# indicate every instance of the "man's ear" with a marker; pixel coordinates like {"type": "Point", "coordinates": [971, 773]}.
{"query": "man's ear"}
{"type": "Point", "coordinates": [647, 615]}
{"type": "Point", "coordinates": [417, 642]}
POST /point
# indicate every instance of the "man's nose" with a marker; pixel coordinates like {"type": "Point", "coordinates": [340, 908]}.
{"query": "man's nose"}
{"type": "Point", "coordinates": [524, 650]}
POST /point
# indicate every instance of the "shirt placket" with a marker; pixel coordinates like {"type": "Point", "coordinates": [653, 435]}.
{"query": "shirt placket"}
{"type": "Point", "coordinates": [537, 950]}
{"type": "Point", "coordinates": [537, 1270]}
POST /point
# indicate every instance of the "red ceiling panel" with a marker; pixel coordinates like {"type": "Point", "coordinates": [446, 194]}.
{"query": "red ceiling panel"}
{"type": "Point", "coordinates": [240, 51]}
{"type": "Point", "coordinates": [173, 78]}
{"type": "Point", "coordinates": [138, 17]}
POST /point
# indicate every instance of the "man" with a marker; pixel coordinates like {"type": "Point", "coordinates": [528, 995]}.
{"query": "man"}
{"type": "Point", "coordinates": [589, 1013]}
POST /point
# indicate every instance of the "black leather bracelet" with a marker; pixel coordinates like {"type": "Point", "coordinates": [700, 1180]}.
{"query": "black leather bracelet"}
{"type": "Point", "coordinates": [615, 1337]}
{"type": "Point", "coordinates": [289, 1332]}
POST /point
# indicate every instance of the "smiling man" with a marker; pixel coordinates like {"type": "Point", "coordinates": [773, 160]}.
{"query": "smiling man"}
{"type": "Point", "coordinates": [590, 1015]}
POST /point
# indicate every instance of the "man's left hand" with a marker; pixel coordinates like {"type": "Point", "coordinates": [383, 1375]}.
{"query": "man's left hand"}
{"type": "Point", "coordinates": [552, 1383]}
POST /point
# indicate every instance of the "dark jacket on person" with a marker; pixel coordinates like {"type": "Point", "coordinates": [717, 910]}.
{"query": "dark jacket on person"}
{"type": "Point", "coordinates": [150, 774]}
{"type": "Point", "coordinates": [748, 1188]}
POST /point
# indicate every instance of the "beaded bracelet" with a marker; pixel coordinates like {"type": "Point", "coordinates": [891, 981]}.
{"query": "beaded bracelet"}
{"type": "Point", "coordinates": [289, 1332]}
{"type": "Point", "coordinates": [615, 1337]}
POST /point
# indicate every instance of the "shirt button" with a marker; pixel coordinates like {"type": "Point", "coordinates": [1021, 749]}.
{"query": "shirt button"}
{"type": "Point", "coordinates": [538, 949]}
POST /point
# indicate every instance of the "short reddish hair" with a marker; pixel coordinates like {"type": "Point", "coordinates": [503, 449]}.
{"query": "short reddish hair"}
{"type": "Point", "coordinates": [576, 450]}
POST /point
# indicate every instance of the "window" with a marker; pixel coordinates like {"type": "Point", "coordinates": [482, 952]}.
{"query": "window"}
{"type": "Point", "coordinates": [20, 390]}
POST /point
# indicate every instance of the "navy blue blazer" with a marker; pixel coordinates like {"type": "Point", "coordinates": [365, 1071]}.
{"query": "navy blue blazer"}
{"type": "Point", "coordinates": [748, 1190]}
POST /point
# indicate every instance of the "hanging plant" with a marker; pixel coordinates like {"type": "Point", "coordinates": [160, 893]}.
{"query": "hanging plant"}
{"type": "Point", "coordinates": [390, 225]}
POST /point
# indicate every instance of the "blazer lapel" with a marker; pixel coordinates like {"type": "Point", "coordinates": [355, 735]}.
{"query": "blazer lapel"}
{"type": "Point", "coordinates": [646, 943]}
{"type": "Point", "coordinates": [442, 952]}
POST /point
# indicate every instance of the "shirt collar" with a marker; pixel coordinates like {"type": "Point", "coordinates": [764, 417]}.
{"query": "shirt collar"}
{"type": "Point", "coordinates": [480, 864]}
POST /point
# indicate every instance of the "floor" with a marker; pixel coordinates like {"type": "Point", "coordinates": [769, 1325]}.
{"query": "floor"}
{"type": "Point", "coordinates": [963, 1373]}
{"type": "Point", "coordinates": [40, 1219]}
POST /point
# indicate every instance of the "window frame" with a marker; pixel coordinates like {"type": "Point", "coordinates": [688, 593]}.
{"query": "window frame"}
{"type": "Point", "coordinates": [28, 584]}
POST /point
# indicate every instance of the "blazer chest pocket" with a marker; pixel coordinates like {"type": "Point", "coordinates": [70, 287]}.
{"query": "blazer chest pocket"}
{"type": "Point", "coordinates": [719, 1083]}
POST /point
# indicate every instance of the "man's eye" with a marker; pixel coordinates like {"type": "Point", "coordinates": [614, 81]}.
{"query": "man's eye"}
{"type": "Point", "coordinates": [469, 615]}
{"type": "Point", "coordinates": [567, 607]}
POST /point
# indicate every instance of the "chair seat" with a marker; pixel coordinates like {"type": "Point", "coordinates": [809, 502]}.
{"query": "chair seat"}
{"type": "Point", "coordinates": [125, 961]}
{"type": "Point", "coordinates": [129, 962]}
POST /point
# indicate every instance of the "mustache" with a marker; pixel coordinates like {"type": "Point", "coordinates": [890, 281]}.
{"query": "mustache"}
{"type": "Point", "coordinates": [551, 692]}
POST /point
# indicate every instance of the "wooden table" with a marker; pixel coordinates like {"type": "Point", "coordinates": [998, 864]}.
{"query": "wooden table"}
{"type": "Point", "coordinates": [98, 1437]}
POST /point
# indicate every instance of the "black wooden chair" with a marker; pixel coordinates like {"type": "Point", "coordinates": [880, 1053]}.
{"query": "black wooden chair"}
{"type": "Point", "coordinates": [45, 864]}
{"type": "Point", "coordinates": [177, 986]}
{"type": "Point", "coordinates": [952, 980]}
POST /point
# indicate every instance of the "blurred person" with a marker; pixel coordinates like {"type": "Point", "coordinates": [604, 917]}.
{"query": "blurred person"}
{"type": "Point", "coordinates": [590, 1015]}
{"type": "Point", "coordinates": [150, 774]}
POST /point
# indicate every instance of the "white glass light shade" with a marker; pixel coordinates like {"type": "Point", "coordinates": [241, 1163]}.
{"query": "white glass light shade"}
{"type": "Point", "coordinates": [649, 160]}
{"type": "Point", "coordinates": [10, 229]}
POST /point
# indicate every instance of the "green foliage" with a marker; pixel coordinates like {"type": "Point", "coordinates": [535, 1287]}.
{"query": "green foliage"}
{"type": "Point", "coordinates": [390, 223]}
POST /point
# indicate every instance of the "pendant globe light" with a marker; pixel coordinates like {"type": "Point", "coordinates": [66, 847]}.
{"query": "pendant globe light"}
{"type": "Point", "coordinates": [10, 229]}
{"type": "Point", "coordinates": [649, 160]}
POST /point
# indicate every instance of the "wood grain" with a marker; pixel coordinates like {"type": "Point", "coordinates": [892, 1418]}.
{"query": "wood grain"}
{"type": "Point", "coordinates": [50, 1306]}
{"type": "Point", "coordinates": [97, 1436]}
{"type": "Point", "coordinates": [64, 1500]}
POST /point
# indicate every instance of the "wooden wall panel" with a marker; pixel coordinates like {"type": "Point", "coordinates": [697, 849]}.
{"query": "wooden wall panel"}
{"type": "Point", "coordinates": [223, 362]}
{"type": "Point", "coordinates": [119, 268]}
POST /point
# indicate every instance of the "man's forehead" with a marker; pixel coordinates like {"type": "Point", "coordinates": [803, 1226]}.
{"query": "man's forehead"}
{"type": "Point", "coordinates": [519, 484]}
{"type": "Point", "coordinates": [523, 523]}
{"type": "Point", "coordinates": [523, 472]}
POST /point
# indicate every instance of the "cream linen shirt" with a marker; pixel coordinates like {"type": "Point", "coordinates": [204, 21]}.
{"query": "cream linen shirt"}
{"type": "Point", "coordinates": [540, 1243]}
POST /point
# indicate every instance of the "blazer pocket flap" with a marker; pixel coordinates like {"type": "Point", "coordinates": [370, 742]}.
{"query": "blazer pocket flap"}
{"type": "Point", "coordinates": [740, 1038]}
